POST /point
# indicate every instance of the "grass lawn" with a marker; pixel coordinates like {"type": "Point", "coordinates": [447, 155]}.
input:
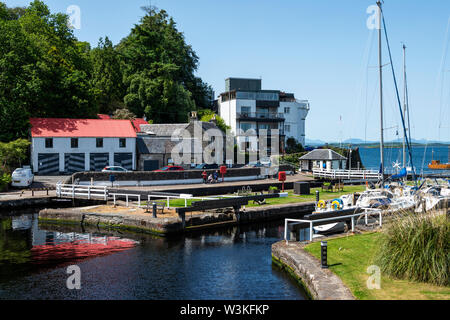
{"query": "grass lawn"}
{"type": "Point", "coordinates": [349, 258]}
{"type": "Point", "coordinates": [324, 195]}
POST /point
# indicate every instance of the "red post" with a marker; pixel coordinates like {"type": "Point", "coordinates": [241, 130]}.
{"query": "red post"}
{"type": "Point", "coordinates": [223, 171]}
{"type": "Point", "coordinates": [282, 178]}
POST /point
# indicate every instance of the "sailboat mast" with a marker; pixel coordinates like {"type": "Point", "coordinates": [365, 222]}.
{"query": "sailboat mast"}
{"type": "Point", "coordinates": [380, 61]}
{"type": "Point", "coordinates": [404, 104]}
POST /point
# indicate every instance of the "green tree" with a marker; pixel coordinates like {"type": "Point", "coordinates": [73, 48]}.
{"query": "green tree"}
{"type": "Point", "coordinates": [107, 77]}
{"type": "Point", "coordinates": [123, 114]}
{"type": "Point", "coordinates": [44, 71]}
{"type": "Point", "coordinates": [293, 146]}
{"type": "Point", "coordinates": [13, 153]}
{"type": "Point", "coordinates": [207, 115]}
{"type": "Point", "coordinates": [158, 68]}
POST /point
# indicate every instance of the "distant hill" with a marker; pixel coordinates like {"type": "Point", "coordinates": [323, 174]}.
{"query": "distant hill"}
{"type": "Point", "coordinates": [360, 142]}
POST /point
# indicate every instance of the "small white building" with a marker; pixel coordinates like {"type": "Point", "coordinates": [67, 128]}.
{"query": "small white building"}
{"type": "Point", "coordinates": [74, 145]}
{"type": "Point", "coordinates": [323, 159]}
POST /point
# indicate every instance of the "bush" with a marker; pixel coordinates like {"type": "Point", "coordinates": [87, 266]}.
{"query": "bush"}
{"type": "Point", "coordinates": [5, 180]}
{"type": "Point", "coordinates": [416, 248]}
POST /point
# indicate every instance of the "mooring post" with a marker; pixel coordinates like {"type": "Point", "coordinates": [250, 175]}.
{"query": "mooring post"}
{"type": "Point", "coordinates": [182, 216]}
{"type": "Point", "coordinates": [237, 210]}
{"type": "Point", "coordinates": [154, 210]}
{"type": "Point", "coordinates": [317, 196]}
{"type": "Point", "coordinates": [324, 254]}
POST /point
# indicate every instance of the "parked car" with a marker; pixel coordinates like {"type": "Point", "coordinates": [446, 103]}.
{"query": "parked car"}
{"type": "Point", "coordinates": [205, 166]}
{"type": "Point", "coordinates": [114, 169]}
{"type": "Point", "coordinates": [266, 162]}
{"type": "Point", "coordinates": [170, 168]}
{"type": "Point", "coordinates": [254, 165]}
{"type": "Point", "coordinates": [22, 177]}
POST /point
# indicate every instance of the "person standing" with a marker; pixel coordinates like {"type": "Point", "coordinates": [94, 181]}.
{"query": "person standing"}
{"type": "Point", "coordinates": [205, 177]}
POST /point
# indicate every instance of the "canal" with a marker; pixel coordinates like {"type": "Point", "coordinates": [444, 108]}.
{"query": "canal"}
{"type": "Point", "coordinates": [227, 264]}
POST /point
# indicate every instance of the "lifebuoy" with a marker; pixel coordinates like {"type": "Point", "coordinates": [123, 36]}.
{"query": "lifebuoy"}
{"type": "Point", "coordinates": [337, 204]}
{"type": "Point", "coordinates": [322, 204]}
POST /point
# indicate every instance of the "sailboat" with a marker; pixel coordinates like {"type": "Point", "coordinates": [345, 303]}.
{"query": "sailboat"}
{"type": "Point", "coordinates": [404, 113]}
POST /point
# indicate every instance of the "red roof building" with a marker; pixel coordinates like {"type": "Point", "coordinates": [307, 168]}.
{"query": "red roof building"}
{"type": "Point", "coordinates": [137, 124]}
{"type": "Point", "coordinates": [81, 128]}
{"type": "Point", "coordinates": [103, 116]}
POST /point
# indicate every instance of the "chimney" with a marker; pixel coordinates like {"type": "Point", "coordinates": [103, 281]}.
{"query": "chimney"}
{"type": "Point", "coordinates": [213, 120]}
{"type": "Point", "coordinates": [193, 116]}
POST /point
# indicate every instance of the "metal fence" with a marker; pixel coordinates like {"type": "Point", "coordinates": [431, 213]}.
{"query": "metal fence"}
{"type": "Point", "coordinates": [347, 174]}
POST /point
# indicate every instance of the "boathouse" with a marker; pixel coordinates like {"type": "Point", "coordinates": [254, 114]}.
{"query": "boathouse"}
{"type": "Point", "coordinates": [325, 159]}
{"type": "Point", "coordinates": [74, 145]}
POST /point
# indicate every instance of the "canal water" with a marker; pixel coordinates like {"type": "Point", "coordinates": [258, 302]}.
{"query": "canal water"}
{"type": "Point", "coordinates": [229, 264]}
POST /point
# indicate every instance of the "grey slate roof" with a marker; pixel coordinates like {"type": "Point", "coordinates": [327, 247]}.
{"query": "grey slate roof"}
{"type": "Point", "coordinates": [323, 154]}
{"type": "Point", "coordinates": [168, 130]}
{"type": "Point", "coordinates": [163, 130]}
{"type": "Point", "coordinates": [148, 145]}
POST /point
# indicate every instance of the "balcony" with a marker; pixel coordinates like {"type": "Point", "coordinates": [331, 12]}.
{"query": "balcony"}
{"type": "Point", "coordinates": [261, 116]}
{"type": "Point", "coordinates": [257, 133]}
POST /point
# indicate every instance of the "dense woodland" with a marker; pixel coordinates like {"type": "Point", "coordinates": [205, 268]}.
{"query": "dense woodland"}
{"type": "Point", "coordinates": [46, 72]}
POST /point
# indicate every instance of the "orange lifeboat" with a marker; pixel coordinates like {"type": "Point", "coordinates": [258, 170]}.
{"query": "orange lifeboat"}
{"type": "Point", "coordinates": [437, 165]}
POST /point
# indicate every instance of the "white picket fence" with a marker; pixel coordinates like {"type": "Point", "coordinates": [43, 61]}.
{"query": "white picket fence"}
{"type": "Point", "coordinates": [347, 174]}
{"type": "Point", "coordinates": [83, 192]}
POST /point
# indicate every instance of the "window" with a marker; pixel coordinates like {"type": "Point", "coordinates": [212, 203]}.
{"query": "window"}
{"type": "Point", "coordinates": [123, 143]}
{"type": "Point", "coordinates": [246, 111]}
{"type": "Point", "coordinates": [245, 127]}
{"type": "Point", "coordinates": [287, 110]}
{"type": "Point", "coordinates": [74, 143]}
{"type": "Point", "coordinates": [287, 128]}
{"type": "Point", "coordinates": [49, 143]}
{"type": "Point", "coordinates": [99, 142]}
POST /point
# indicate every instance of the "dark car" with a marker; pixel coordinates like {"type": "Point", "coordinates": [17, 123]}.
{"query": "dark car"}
{"type": "Point", "coordinates": [205, 166]}
{"type": "Point", "coordinates": [170, 168]}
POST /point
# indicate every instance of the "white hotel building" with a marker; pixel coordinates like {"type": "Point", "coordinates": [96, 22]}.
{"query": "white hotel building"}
{"type": "Point", "coordinates": [245, 106]}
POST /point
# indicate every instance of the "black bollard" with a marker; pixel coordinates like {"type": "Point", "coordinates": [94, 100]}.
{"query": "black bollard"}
{"type": "Point", "coordinates": [154, 211]}
{"type": "Point", "coordinates": [324, 254]}
{"type": "Point", "coordinates": [317, 196]}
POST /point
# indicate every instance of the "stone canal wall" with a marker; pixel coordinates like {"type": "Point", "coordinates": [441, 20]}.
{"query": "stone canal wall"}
{"type": "Point", "coordinates": [169, 226]}
{"type": "Point", "coordinates": [172, 177]}
{"type": "Point", "coordinates": [320, 284]}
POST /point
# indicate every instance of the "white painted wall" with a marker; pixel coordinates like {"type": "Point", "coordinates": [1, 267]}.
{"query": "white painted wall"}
{"type": "Point", "coordinates": [296, 119]}
{"type": "Point", "coordinates": [85, 145]}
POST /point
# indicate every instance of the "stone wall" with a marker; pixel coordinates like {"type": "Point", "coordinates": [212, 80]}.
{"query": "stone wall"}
{"type": "Point", "coordinates": [165, 176]}
{"type": "Point", "coordinates": [321, 284]}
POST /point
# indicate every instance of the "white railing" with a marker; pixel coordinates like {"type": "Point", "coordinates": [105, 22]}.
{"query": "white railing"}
{"type": "Point", "coordinates": [127, 198]}
{"type": "Point", "coordinates": [77, 191]}
{"type": "Point", "coordinates": [347, 174]}
{"type": "Point", "coordinates": [185, 197]}
{"type": "Point", "coordinates": [366, 213]}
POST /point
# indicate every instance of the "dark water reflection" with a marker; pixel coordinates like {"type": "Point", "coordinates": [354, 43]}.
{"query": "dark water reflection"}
{"type": "Point", "coordinates": [229, 264]}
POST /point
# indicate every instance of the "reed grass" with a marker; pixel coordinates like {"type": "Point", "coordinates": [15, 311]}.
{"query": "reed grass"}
{"type": "Point", "coordinates": [416, 248]}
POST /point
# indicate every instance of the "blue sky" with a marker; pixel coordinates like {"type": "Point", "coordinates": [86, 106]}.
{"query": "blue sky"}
{"type": "Point", "coordinates": [321, 50]}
